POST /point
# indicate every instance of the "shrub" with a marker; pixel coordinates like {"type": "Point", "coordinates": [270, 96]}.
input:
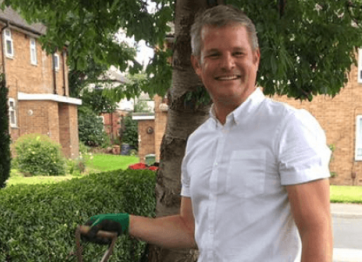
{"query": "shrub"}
{"type": "Point", "coordinates": [130, 132]}
{"type": "Point", "coordinates": [90, 127]}
{"type": "Point", "coordinates": [38, 222]}
{"type": "Point", "coordinates": [39, 155]}
{"type": "Point", "coordinates": [5, 156]}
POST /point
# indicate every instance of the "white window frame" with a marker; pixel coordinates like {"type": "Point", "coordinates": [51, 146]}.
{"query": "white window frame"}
{"type": "Point", "coordinates": [359, 72]}
{"type": "Point", "coordinates": [12, 109]}
{"type": "Point", "coordinates": [56, 62]}
{"type": "Point", "coordinates": [358, 140]}
{"type": "Point", "coordinates": [33, 53]}
{"type": "Point", "coordinates": [8, 38]}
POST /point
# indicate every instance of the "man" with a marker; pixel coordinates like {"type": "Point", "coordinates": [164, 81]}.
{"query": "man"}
{"type": "Point", "coordinates": [254, 176]}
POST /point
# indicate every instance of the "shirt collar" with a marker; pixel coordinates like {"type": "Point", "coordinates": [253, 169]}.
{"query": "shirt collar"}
{"type": "Point", "coordinates": [244, 110]}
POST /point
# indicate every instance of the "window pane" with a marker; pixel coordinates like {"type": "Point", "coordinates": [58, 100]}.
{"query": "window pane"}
{"type": "Point", "coordinates": [12, 117]}
{"type": "Point", "coordinates": [9, 48]}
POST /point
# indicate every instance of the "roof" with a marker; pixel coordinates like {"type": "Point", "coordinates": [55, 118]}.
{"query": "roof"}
{"type": "Point", "coordinates": [14, 19]}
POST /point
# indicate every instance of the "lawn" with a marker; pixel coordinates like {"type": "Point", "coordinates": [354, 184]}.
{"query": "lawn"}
{"type": "Point", "coordinates": [99, 163]}
{"type": "Point", "coordinates": [103, 162]}
{"type": "Point", "coordinates": [346, 194]}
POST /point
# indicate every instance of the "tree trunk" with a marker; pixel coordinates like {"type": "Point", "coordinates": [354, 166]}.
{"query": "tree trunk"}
{"type": "Point", "coordinates": [184, 116]}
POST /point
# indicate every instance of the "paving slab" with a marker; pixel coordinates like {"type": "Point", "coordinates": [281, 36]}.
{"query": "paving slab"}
{"type": "Point", "coordinates": [346, 210]}
{"type": "Point", "coordinates": [347, 255]}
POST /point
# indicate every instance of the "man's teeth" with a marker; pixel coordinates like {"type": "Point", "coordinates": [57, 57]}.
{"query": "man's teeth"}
{"type": "Point", "coordinates": [227, 77]}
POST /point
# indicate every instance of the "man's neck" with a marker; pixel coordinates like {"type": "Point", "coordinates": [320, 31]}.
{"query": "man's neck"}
{"type": "Point", "coordinates": [222, 111]}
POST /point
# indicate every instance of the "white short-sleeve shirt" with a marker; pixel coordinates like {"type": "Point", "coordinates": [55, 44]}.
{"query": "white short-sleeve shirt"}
{"type": "Point", "coordinates": [235, 175]}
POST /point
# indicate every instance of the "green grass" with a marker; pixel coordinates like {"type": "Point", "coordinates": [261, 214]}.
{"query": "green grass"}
{"type": "Point", "coordinates": [99, 163]}
{"type": "Point", "coordinates": [346, 194]}
{"type": "Point", "coordinates": [103, 162]}
{"type": "Point", "coordinates": [17, 178]}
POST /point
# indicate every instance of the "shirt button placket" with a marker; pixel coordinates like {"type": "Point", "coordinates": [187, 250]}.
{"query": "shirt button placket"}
{"type": "Point", "coordinates": [213, 193]}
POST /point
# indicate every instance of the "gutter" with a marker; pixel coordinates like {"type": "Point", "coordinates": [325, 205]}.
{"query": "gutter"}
{"type": "Point", "coordinates": [22, 29]}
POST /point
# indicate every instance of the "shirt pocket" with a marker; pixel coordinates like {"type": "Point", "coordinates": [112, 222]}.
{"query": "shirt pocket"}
{"type": "Point", "coordinates": [246, 173]}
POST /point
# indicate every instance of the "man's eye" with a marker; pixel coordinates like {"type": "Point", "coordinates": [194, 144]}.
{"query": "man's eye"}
{"type": "Point", "coordinates": [213, 55]}
{"type": "Point", "coordinates": [238, 54]}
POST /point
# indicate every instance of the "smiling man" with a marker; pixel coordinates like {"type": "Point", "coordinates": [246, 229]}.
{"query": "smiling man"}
{"type": "Point", "coordinates": [254, 176]}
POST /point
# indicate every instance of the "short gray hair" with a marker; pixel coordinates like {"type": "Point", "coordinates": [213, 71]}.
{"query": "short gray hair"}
{"type": "Point", "coordinates": [221, 15]}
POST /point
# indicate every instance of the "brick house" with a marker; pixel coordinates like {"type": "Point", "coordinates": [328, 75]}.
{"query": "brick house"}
{"type": "Point", "coordinates": [151, 128]}
{"type": "Point", "coordinates": [39, 99]}
{"type": "Point", "coordinates": [340, 117]}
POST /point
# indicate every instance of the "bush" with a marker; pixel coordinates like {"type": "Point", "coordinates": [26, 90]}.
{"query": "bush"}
{"type": "Point", "coordinates": [39, 155]}
{"type": "Point", "coordinates": [130, 132]}
{"type": "Point", "coordinates": [90, 127]}
{"type": "Point", "coordinates": [5, 156]}
{"type": "Point", "coordinates": [38, 222]}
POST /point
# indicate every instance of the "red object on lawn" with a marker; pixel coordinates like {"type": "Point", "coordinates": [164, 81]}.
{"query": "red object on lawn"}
{"type": "Point", "coordinates": [142, 166]}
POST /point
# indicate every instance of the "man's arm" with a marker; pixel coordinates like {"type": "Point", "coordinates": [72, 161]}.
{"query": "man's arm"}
{"type": "Point", "coordinates": [310, 207]}
{"type": "Point", "coordinates": [170, 232]}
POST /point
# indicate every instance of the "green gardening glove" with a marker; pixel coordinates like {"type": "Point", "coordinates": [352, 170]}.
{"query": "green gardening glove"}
{"type": "Point", "coordinates": [118, 223]}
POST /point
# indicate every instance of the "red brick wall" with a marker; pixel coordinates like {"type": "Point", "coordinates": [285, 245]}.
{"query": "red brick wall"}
{"type": "Point", "coordinates": [337, 116]}
{"type": "Point", "coordinates": [146, 141]}
{"type": "Point", "coordinates": [160, 125]}
{"type": "Point", "coordinates": [68, 136]}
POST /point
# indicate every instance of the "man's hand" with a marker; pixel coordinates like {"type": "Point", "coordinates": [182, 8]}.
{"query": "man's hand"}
{"type": "Point", "coordinates": [118, 223]}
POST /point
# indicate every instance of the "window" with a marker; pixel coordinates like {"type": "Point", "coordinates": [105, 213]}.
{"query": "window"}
{"type": "Point", "coordinates": [33, 58]}
{"type": "Point", "coordinates": [9, 47]}
{"type": "Point", "coordinates": [358, 149]}
{"type": "Point", "coordinates": [359, 76]}
{"type": "Point", "coordinates": [56, 61]}
{"type": "Point", "coordinates": [12, 112]}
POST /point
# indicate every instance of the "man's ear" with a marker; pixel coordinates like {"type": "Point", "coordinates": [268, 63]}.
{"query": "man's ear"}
{"type": "Point", "coordinates": [195, 61]}
{"type": "Point", "coordinates": [257, 56]}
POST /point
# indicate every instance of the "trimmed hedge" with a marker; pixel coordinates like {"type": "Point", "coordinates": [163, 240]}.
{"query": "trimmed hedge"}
{"type": "Point", "coordinates": [38, 222]}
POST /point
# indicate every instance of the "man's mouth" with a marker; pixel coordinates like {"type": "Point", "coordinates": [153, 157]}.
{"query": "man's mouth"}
{"type": "Point", "coordinates": [227, 78]}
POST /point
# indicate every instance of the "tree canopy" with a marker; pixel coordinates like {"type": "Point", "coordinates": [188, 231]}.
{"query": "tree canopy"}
{"type": "Point", "coordinates": [307, 46]}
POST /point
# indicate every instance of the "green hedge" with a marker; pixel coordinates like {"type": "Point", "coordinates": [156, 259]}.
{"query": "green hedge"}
{"type": "Point", "coordinates": [37, 222]}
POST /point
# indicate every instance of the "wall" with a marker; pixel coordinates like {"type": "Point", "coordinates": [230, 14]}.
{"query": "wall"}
{"type": "Point", "coordinates": [68, 136]}
{"type": "Point", "coordinates": [146, 141]}
{"type": "Point", "coordinates": [160, 124]}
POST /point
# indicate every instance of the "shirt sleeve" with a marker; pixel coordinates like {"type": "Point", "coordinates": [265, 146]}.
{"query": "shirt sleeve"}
{"type": "Point", "coordinates": [185, 178]}
{"type": "Point", "coordinates": [303, 152]}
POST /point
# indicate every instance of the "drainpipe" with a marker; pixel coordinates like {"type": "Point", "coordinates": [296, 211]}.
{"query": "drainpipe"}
{"type": "Point", "coordinates": [64, 79]}
{"type": "Point", "coordinates": [2, 48]}
{"type": "Point", "coordinates": [54, 75]}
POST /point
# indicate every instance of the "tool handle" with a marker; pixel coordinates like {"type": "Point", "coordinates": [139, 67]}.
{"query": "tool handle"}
{"type": "Point", "coordinates": [103, 234]}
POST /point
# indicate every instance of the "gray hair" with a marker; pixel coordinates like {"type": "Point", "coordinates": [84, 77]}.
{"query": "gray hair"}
{"type": "Point", "coordinates": [220, 15]}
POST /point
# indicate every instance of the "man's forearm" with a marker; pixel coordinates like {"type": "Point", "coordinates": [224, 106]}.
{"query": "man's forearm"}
{"type": "Point", "coordinates": [317, 244]}
{"type": "Point", "coordinates": [168, 232]}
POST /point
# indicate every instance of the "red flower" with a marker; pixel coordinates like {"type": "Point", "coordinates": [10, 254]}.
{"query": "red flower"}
{"type": "Point", "coordinates": [153, 168]}
{"type": "Point", "coordinates": [138, 166]}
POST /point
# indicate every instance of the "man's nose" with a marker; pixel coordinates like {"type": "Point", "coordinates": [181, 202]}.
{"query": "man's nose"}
{"type": "Point", "coordinates": [227, 62]}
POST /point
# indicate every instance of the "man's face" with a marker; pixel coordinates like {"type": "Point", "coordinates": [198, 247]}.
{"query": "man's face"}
{"type": "Point", "coordinates": [227, 65]}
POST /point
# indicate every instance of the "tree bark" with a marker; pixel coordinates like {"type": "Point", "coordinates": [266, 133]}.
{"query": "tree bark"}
{"type": "Point", "coordinates": [184, 116]}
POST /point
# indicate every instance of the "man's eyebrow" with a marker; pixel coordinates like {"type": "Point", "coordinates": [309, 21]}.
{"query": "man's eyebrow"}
{"type": "Point", "coordinates": [213, 50]}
